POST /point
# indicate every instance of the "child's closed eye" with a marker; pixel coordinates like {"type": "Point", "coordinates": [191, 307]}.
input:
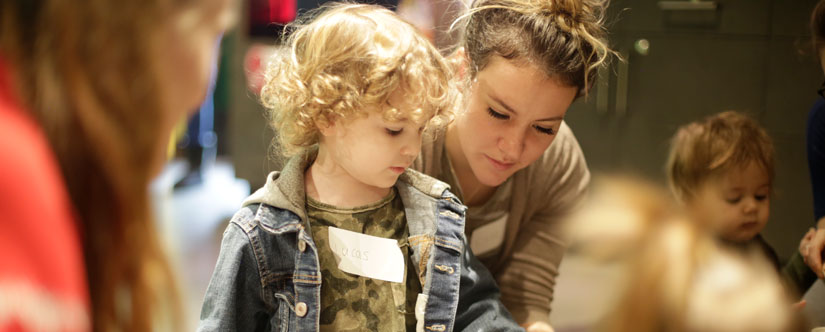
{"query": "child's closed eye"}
{"type": "Point", "coordinates": [760, 197]}
{"type": "Point", "coordinates": [394, 132]}
{"type": "Point", "coordinates": [497, 115]}
{"type": "Point", "coordinates": [733, 200]}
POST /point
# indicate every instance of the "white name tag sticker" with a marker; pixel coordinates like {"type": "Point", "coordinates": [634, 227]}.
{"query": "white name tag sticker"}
{"type": "Point", "coordinates": [489, 237]}
{"type": "Point", "coordinates": [366, 255]}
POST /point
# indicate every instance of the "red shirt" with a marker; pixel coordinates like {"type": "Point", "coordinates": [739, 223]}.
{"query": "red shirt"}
{"type": "Point", "coordinates": [42, 276]}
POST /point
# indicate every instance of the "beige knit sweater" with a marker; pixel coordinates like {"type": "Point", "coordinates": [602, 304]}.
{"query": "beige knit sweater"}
{"type": "Point", "coordinates": [542, 194]}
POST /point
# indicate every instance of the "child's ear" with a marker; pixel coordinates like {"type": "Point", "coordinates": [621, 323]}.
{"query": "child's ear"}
{"type": "Point", "coordinates": [459, 62]}
{"type": "Point", "coordinates": [327, 128]}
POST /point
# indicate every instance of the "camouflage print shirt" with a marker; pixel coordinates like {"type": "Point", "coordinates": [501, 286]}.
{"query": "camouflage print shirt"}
{"type": "Point", "coordinates": [351, 302]}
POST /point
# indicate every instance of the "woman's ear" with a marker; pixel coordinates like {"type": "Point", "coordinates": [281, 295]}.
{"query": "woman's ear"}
{"type": "Point", "coordinates": [459, 62]}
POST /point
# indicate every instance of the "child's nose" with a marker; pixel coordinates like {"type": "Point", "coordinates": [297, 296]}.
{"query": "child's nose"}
{"type": "Point", "coordinates": [411, 149]}
{"type": "Point", "coordinates": [750, 205]}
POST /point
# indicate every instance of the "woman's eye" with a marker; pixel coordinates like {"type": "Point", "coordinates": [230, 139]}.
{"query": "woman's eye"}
{"type": "Point", "coordinates": [394, 132]}
{"type": "Point", "coordinates": [545, 130]}
{"type": "Point", "coordinates": [497, 115]}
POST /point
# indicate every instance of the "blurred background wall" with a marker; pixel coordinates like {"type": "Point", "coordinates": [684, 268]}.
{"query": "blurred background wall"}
{"type": "Point", "coordinates": [687, 62]}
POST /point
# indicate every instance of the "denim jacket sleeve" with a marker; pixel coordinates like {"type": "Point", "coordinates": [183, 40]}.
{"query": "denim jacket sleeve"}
{"type": "Point", "coordinates": [479, 307]}
{"type": "Point", "coordinates": [234, 299]}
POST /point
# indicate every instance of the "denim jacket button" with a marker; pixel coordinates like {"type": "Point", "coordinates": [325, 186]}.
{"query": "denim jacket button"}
{"type": "Point", "coordinates": [302, 245]}
{"type": "Point", "coordinates": [301, 309]}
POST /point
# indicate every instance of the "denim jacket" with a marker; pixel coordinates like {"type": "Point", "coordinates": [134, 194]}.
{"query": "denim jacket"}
{"type": "Point", "coordinates": [268, 277]}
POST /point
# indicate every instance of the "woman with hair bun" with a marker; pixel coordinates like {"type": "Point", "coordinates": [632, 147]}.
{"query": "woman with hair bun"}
{"type": "Point", "coordinates": [524, 62]}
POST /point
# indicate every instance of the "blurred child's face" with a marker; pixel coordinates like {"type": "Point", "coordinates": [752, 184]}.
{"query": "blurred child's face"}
{"type": "Point", "coordinates": [736, 204]}
{"type": "Point", "coordinates": [372, 151]}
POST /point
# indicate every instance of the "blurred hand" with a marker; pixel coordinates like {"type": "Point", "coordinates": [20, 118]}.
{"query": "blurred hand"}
{"type": "Point", "coordinates": [799, 305]}
{"type": "Point", "coordinates": [811, 248]}
{"type": "Point", "coordinates": [537, 327]}
{"type": "Point", "coordinates": [806, 241]}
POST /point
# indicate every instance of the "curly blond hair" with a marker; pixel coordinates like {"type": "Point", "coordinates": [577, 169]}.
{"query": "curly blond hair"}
{"type": "Point", "coordinates": [667, 272]}
{"type": "Point", "coordinates": [705, 148]}
{"type": "Point", "coordinates": [684, 280]}
{"type": "Point", "coordinates": [347, 59]}
{"type": "Point", "coordinates": [564, 38]}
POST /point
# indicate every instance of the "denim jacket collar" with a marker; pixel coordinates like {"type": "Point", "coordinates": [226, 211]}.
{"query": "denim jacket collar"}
{"type": "Point", "coordinates": [285, 190]}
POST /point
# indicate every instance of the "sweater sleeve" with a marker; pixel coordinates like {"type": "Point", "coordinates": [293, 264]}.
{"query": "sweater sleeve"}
{"type": "Point", "coordinates": [815, 142]}
{"type": "Point", "coordinates": [797, 276]}
{"type": "Point", "coordinates": [556, 184]}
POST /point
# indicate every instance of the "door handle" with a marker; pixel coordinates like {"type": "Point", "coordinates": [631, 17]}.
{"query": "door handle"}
{"type": "Point", "coordinates": [621, 84]}
{"type": "Point", "coordinates": [602, 90]}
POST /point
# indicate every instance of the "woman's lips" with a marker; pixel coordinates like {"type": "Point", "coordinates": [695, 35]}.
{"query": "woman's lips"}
{"type": "Point", "coordinates": [501, 166]}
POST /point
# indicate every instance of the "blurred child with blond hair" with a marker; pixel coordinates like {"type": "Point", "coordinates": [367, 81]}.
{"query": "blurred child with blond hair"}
{"type": "Point", "coordinates": [674, 275]}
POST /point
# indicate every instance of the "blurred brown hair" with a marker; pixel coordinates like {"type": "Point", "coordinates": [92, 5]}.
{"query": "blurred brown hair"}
{"type": "Point", "coordinates": [85, 71]}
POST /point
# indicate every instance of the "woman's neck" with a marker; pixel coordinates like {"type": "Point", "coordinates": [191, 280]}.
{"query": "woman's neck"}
{"type": "Point", "coordinates": [329, 183]}
{"type": "Point", "coordinates": [475, 193]}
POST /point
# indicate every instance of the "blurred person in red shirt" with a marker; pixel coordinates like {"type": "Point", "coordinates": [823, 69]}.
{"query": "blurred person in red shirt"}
{"type": "Point", "coordinates": [89, 94]}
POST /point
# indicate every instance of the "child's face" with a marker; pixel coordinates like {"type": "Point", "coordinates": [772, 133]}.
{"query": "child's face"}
{"type": "Point", "coordinates": [736, 205]}
{"type": "Point", "coordinates": [373, 151]}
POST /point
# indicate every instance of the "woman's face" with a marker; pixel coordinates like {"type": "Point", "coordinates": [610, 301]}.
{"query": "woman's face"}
{"type": "Point", "coordinates": [190, 48]}
{"type": "Point", "coordinates": [512, 115]}
{"type": "Point", "coordinates": [187, 55]}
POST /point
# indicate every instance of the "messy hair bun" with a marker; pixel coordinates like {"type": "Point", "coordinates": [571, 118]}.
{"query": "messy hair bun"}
{"type": "Point", "coordinates": [565, 38]}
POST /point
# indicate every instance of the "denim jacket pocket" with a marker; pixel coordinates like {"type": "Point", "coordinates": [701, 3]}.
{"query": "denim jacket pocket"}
{"type": "Point", "coordinates": [284, 311]}
{"type": "Point", "coordinates": [421, 246]}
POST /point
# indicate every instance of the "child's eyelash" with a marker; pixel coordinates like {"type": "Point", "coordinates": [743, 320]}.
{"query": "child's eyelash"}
{"type": "Point", "coordinates": [394, 132]}
{"type": "Point", "coordinates": [497, 115]}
